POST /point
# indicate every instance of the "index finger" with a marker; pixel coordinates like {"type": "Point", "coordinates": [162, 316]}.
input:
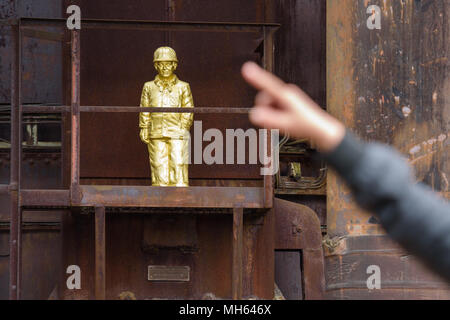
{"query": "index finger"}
{"type": "Point", "coordinates": [263, 80]}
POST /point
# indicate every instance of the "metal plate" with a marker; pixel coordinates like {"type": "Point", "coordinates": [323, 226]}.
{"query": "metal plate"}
{"type": "Point", "coordinates": [169, 273]}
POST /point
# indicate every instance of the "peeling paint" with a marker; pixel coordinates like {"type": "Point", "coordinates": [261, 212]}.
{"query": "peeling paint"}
{"type": "Point", "coordinates": [435, 97]}
{"type": "Point", "coordinates": [414, 150]}
{"type": "Point", "coordinates": [406, 111]}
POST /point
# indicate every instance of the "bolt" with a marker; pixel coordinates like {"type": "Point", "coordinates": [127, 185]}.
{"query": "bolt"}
{"type": "Point", "coordinates": [296, 229]}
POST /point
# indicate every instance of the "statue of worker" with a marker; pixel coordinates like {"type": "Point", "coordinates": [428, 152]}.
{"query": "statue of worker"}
{"type": "Point", "coordinates": [167, 134]}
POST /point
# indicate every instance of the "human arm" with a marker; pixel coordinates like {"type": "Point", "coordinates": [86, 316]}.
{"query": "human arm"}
{"type": "Point", "coordinates": [378, 177]}
{"type": "Point", "coordinates": [382, 183]}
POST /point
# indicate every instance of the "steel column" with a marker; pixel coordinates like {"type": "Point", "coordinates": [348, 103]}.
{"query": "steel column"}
{"type": "Point", "coordinates": [238, 222]}
{"type": "Point", "coordinates": [100, 254]}
{"type": "Point", "coordinates": [268, 63]}
{"type": "Point", "coordinates": [75, 163]}
{"type": "Point", "coordinates": [16, 136]}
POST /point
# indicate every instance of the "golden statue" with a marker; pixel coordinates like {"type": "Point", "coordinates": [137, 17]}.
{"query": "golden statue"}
{"type": "Point", "coordinates": [167, 134]}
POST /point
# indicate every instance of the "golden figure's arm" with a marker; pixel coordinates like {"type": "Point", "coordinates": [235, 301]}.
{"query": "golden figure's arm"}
{"type": "Point", "coordinates": [144, 117]}
{"type": "Point", "coordinates": [187, 102]}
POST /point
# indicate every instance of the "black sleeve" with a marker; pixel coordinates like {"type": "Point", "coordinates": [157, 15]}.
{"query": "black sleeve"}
{"type": "Point", "coordinates": [411, 213]}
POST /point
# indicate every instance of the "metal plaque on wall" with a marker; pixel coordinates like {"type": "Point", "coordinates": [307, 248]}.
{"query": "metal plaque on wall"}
{"type": "Point", "coordinates": [168, 273]}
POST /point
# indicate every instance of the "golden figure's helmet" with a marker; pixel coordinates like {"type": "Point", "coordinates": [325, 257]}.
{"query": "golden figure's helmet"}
{"type": "Point", "coordinates": [165, 54]}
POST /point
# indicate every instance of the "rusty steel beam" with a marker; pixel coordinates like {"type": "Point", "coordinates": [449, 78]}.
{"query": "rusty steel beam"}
{"type": "Point", "coordinates": [169, 197]}
{"type": "Point", "coordinates": [268, 64]}
{"type": "Point", "coordinates": [155, 25]}
{"type": "Point", "coordinates": [134, 109]}
{"type": "Point", "coordinates": [100, 254]}
{"type": "Point", "coordinates": [66, 115]}
{"type": "Point", "coordinates": [237, 262]}
{"type": "Point", "coordinates": [212, 110]}
{"type": "Point", "coordinates": [14, 188]}
{"type": "Point", "coordinates": [75, 113]}
{"type": "Point", "coordinates": [148, 196]}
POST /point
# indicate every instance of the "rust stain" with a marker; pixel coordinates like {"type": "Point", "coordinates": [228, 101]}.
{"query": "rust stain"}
{"type": "Point", "coordinates": [441, 60]}
{"type": "Point", "coordinates": [392, 99]}
{"type": "Point", "coordinates": [340, 68]}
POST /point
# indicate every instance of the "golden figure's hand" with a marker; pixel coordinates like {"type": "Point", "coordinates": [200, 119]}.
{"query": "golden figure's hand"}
{"type": "Point", "coordinates": [145, 135]}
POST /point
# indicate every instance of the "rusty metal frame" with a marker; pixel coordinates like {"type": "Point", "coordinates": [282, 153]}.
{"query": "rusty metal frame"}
{"type": "Point", "coordinates": [237, 264]}
{"type": "Point", "coordinates": [76, 194]}
{"type": "Point", "coordinates": [14, 182]}
{"type": "Point", "coordinates": [195, 26]}
{"type": "Point", "coordinates": [100, 253]}
{"type": "Point", "coordinates": [101, 196]}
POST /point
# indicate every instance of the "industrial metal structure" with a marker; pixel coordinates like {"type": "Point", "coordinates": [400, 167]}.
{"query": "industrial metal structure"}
{"type": "Point", "coordinates": [81, 197]}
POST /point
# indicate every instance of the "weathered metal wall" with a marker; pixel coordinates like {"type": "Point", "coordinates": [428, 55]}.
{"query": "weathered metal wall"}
{"type": "Point", "coordinates": [41, 59]}
{"type": "Point", "coordinates": [41, 84]}
{"type": "Point", "coordinates": [301, 45]}
{"type": "Point", "coordinates": [133, 244]}
{"type": "Point", "coordinates": [389, 85]}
